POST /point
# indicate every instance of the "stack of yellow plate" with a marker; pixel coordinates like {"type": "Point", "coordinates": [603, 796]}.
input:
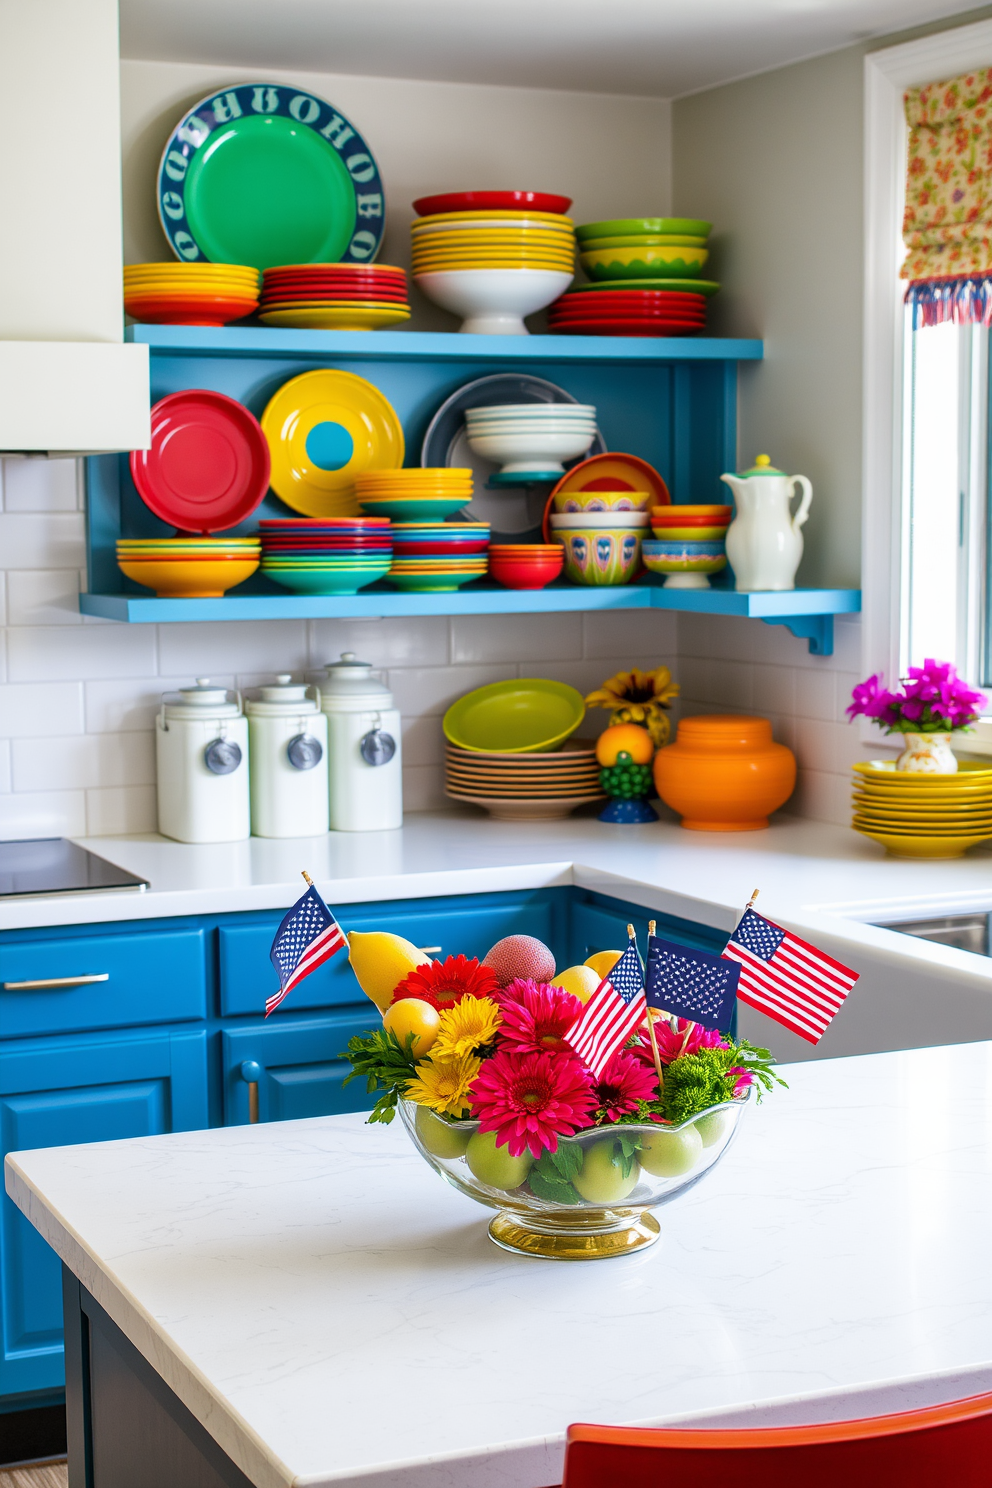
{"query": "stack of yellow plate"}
{"type": "Point", "coordinates": [413, 495]}
{"type": "Point", "coordinates": [490, 239]}
{"type": "Point", "coordinates": [923, 816]}
{"type": "Point", "coordinates": [209, 294]}
{"type": "Point", "coordinates": [520, 786]}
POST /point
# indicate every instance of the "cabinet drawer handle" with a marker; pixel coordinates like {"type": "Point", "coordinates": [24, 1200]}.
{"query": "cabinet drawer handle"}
{"type": "Point", "coordinates": [251, 1073]}
{"type": "Point", "coordinates": [430, 950]}
{"type": "Point", "coordinates": [40, 982]}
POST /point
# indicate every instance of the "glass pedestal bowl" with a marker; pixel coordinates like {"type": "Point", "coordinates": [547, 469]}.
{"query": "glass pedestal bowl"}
{"type": "Point", "coordinates": [607, 1208]}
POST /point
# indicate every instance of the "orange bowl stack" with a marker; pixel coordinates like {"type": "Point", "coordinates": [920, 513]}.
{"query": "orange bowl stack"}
{"type": "Point", "coordinates": [201, 294]}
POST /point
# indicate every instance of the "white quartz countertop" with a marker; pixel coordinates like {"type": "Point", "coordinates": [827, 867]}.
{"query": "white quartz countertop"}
{"type": "Point", "coordinates": [334, 1313]}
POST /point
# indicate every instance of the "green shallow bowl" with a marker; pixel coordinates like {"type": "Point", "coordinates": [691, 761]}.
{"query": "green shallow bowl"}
{"type": "Point", "coordinates": [320, 581]}
{"type": "Point", "coordinates": [624, 227]}
{"type": "Point", "coordinates": [705, 287]}
{"type": "Point", "coordinates": [428, 509]}
{"type": "Point", "coordinates": [529, 715]}
{"type": "Point", "coordinates": [644, 240]}
{"type": "Point", "coordinates": [432, 583]}
{"type": "Point", "coordinates": [644, 263]}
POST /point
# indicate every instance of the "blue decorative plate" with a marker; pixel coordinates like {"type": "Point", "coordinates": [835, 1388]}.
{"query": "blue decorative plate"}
{"type": "Point", "coordinates": [265, 174]}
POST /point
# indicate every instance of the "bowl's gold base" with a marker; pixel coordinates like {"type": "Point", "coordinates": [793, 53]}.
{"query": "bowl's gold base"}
{"type": "Point", "coordinates": [518, 1238]}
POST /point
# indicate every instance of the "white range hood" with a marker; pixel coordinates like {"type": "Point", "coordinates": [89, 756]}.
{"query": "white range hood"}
{"type": "Point", "coordinates": [68, 383]}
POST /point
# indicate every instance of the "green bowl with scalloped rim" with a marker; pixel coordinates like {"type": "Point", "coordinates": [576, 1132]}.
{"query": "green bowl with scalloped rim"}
{"type": "Point", "coordinates": [644, 263]}
{"type": "Point", "coordinates": [618, 227]}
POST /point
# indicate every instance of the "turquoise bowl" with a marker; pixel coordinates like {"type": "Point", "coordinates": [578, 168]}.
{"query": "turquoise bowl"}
{"type": "Point", "coordinates": [326, 581]}
{"type": "Point", "coordinates": [432, 583]}
{"type": "Point", "coordinates": [424, 509]}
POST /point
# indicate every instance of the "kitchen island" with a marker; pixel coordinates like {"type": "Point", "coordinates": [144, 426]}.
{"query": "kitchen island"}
{"type": "Point", "coordinates": [306, 1304]}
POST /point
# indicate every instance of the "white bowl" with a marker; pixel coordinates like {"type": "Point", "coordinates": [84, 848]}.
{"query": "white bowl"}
{"type": "Point", "coordinates": [566, 520]}
{"type": "Point", "coordinates": [531, 411]}
{"type": "Point", "coordinates": [522, 451]}
{"type": "Point", "coordinates": [493, 302]}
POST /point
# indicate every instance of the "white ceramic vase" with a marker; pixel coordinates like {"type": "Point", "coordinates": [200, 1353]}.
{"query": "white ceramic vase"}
{"type": "Point", "coordinates": [928, 754]}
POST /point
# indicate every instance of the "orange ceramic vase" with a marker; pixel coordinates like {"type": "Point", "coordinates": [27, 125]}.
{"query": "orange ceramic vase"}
{"type": "Point", "coordinates": [724, 773]}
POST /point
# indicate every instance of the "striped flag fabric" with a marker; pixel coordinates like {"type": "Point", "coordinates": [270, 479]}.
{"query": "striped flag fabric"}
{"type": "Point", "coordinates": [787, 979]}
{"type": "Point", "coordinates": [615, 1010]}
{"type": "Point", "coordinates": [308, 936]}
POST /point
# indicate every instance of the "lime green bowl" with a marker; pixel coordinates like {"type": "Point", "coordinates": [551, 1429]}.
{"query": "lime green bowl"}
{"type": "Point", "coordinates": [644, 263]}
{"type": "Point", "coordinates": [648, 240]}
{"type": "Point", "coordinates": [625, 227]}
{"type": "Point", "coordinates": [528, 715]}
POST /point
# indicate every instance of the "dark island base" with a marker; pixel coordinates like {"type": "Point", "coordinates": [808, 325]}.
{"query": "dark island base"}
{"type": "Point", "coordinates": [125, 1427]}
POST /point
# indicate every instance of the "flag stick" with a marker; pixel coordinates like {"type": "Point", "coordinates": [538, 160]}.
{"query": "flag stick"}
{"type": "Point", "coordinates": [307, 877]}
{"type": "Point", "coordinates": [652, 925]}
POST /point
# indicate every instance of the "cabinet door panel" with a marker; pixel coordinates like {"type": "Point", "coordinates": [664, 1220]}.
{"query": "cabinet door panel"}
{"type": "Point", "coordinates": [247, 977]}
{"type": "Point", "coordinates": [60, 1094]}
{"type": "Point", "coordinates": [300, 1073]}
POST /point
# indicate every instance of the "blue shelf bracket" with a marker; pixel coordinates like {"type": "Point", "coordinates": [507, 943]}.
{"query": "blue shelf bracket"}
{"type": "Point", "coordinates": [817, 629]}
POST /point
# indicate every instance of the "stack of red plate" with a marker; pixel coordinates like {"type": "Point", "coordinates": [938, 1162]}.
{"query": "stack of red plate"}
{"type": "Point", "coordinates": [334, 296]}
{"type": "Point", "coordinates": [628, 312]}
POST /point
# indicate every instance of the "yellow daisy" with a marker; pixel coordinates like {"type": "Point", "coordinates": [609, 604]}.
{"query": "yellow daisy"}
{"type": "Point", "coordinates": [467, 1026]}
{"type": "Point", "coordinates": [443, 1084]}
{"type": "Point", "coordinates": [639, 697]}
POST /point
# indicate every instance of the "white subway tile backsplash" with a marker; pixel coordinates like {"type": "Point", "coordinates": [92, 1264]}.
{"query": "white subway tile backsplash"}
{"type": "Point", "coordinates": [54, 653]}
{"type": "Point", "coordinates": [385, 643]}
{"type": "Point", "coordinates": [34, 709]}
{"type": "Point", "coordinates": [43, 596]}
{"type": "Point", "coordinates": [42, 814]}
{"type": "Point", "coordinates": [5, 783]}
{"type": "Point", "coordinates": [816, 692]}
{"type": "Point", "coordinates": [423, 789]}
{"type": "Point", "coordinates": [614, 634]}
{"type": "Point", "coordinates": [482, 638]}
{"type": "Point", "coordinates": [423, 741]}
{"type": "Point", "coordinates": [126, 808]}
{"type": "Point", "coordinates": [40, 485]}
{"type": "Point", "coordinates": [231, 646]}
{"type": "Point", "coordinates": [42, 540]}
{"type": "Point", "coordinates": [84, 760]}
{"type": "Point", "coordinates": [774, 689]}
{"type": "Point", "coordinates": [426, 690]}
{"type": "Point", "coordinates": [130, 704]}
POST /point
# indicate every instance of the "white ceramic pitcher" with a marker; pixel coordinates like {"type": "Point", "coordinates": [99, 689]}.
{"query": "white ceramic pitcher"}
{"type": "Point", "coordinates": [764, 541]}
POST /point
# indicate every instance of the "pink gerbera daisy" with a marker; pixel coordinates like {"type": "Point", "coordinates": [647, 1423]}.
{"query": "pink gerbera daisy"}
{"type": "Point", "coordinates": [529, 1100]}
{"type": "Point", "coordinates": [537, 1017]}
{"type": "Point", "coordinates": [624, 1083]}
{"type": "Point", "coordinates": [672, 1045]}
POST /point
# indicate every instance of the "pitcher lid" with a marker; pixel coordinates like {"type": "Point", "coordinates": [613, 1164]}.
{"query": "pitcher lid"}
{"type": "Point", "coordinates": [762, 466]}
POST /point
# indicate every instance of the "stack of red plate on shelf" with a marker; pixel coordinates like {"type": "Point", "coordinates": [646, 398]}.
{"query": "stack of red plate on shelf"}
{"type": "Point", "coordinates": [628, 312]}
{"type": "Point", "coordinates": [334, 296]}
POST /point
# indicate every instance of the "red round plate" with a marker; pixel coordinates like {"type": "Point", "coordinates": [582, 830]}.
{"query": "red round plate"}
{"type": "Point", "coordinates": [628, 328]}
{"type": "Point", "coordinates": [208, 466]}
{"type": "Point", "coordinates": [205, 312]}
{"type": "Point", "coordinates": [645, 298]}
{"type": "Point", "coordinates": [316, 524]}
{"type": "Point", "coordinates": [362, 276]}
{"type": "Point", "coordinates": [628, 312]}
{"type": "Point", "coordinates": [278, 271]}
{"type": "Point", "coordinates": [332, 296]}
{"type": "Point", "coordinates": [491, 201]}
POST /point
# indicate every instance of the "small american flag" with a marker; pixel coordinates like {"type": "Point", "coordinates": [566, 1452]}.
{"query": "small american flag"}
{"type": "Point", "coordinates": [692, 984]}
{"type": "Point", "coordinates": [308, 936]}
{"type": "Point", "coordinates": [788, 980]}
{"type": "Point", "coordinates": [615, 1010]}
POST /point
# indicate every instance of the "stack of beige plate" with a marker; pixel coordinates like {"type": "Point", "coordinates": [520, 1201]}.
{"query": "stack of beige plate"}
{"type": "Point", "coordinates": [521, 787]}
{"type": "Point", "coordinates": [923, 816]}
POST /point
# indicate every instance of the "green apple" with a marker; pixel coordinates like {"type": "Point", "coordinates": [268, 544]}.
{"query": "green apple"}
{"type": "Point", "coordinates": [666, 1154]}
{"type": "Point", "coordinates": [494, 1165]}
{"type": "Point", "coordinates": [439, 1136]}
{"type": "Point", "coordinates": [713, 1127]}
{"type": "Point", "coordinates": [601, 1180]}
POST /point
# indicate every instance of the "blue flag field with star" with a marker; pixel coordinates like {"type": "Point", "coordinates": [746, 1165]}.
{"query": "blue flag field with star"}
{"type": "Point", "coordinates": [692, 984]}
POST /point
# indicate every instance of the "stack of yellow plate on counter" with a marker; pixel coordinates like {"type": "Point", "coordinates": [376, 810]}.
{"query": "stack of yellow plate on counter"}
{"type": "Point", "coordinates": [450, 241]}
{"type": "Point", "coordinates": [923, 816]}
{"type": "Point", "coordinates": [189, 293]}
{"type": "Point", "coordinates": [518, 787]}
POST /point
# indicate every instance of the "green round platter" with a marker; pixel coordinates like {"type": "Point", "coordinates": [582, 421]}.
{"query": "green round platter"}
{"type": "Point", "coordinates": [526, 715]}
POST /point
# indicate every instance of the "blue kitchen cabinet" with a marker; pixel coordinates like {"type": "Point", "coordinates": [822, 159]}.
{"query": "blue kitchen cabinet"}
{"type": "Point", "coordinates": [59, 1092]}
{"type": "Point", "coordinates": [600, 924]}
{"type": "Point", "coordinates": [296, 1066]}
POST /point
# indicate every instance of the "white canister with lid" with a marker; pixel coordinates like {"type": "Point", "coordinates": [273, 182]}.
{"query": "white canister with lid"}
{"type": "Point", "coordinates": [201, 748]}
{"type": "Point", "coordinates": [287, 736]}
{"type": "Point", "coordinates": [364, 763]}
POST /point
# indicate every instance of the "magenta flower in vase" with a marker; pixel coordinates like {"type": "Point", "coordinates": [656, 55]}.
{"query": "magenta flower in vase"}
{"type": "Point", "coordinates": [932, 703]}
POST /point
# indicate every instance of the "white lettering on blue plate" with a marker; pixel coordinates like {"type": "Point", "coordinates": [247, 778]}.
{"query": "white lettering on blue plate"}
{"type": "Point", "coordinates": [265, 100]}
{"type": "Point", "coordinates": [368, 203]}
{"type": "Point", "coordinates": [363, 244]}
{"type": "Point", "coordinates": [361, 167]}
{"type": "Point", "coordinates": [172, 205]}
{"type": "Point", "coordinates": [226, 108]}
{"type": "Point", "coordinates": [337, 131]}
{"type": "Point", "coordinates": [305, 110]}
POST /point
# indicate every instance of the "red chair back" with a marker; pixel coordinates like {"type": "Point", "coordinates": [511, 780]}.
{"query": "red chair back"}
{"type": "Point", "coordinates": [940, 1445]}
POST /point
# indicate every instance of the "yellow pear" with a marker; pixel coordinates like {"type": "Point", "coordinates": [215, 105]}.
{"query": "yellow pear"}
{"type": "Point", "coordinates": [581, 981]}
{"type": "Point", "coordinates": [603, 962]}
{"type": "Point", "coordinates": [380, 961]}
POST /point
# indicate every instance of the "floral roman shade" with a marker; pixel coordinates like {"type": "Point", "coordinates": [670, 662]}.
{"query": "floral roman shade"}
{"type": "Point", "coordinates": [947, 225]}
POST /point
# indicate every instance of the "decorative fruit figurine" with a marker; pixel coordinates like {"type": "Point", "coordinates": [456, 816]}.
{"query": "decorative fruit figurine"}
{"type": "Point", "coordinates": [380, 961]}
{"type": "Point", "coordinates": [581, 981]}
{"type": "Point", "coordinates": [439, 1137]}
{"type": "Point", "coordinates": [625, 751]}
{"type": "Point", "coordinates": [639, 697]}
{"type": "Point", "coordinates": [666, 1154]}
{"type": "Point", "coordinates": [494, 1165]}
{"type": "Point", "coordinates": [603, 962]}
{"type": "Point", "coordinates": [520, 956]}
{"type": "Point", "coordinates": [413, 1016]}
{"type": "Point", "coordinates": [604, 1178]}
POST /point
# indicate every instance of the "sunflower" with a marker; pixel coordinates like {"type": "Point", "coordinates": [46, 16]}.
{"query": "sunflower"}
{"type": "Point", "coordinates": [443, 1084]}
{"type": "Point", "coordinates": [639, 697]}
{"type": "Point", "coordinates": [466, 1027]}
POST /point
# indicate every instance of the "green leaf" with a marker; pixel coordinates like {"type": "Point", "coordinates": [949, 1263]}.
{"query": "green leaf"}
{"type": "Point", "coordinates": [547, 1183]}
{"type": "Point", "coordinates": [567, 1159]}
{"type": "Point", "coordinates": [630, 1145]}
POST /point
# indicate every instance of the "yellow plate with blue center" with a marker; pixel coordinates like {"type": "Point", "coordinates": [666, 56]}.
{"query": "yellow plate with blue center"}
{"type": "Point", "coordinates": [323, 429]}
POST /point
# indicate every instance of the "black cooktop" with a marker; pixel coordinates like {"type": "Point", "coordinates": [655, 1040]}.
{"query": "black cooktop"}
{"type": "Point", "coordinates": [53, 865]}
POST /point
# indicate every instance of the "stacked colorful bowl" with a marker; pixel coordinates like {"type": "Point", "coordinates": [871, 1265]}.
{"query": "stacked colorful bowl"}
{"type": "Point", "coordinates": [339, 297]}
{"type": "Point", "coordinates": [201, 294]}
{"type": "Point", "coordinates": [530, 440]}
{"type": "Point", "coordinates": [438, 557]}
{"type": "Point", "coordinates": [600, 547]}
{"type": "Point", "coordinates": [646, 274]}
{"type": "Point", "coordinates": [525, 565]}
{"type": "Point", "coordinates": [493, 257]}
{"type": "Point", "coordinates": [326, 555]}
{"type": "Point", "coordinates": [923, 816]}
{"type": "Point", "coordinates": [689, 545]}
{"type": "Point", "coordinates": [188, 567]}
{"type": "Point", "coordinates": [414, 495]}
{"type": "Point", "coordinates": [516, 787]}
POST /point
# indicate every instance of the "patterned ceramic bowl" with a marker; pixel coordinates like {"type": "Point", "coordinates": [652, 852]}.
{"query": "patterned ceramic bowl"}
{"type": "Point", "coordinates": [687, 564]}
{"type": "Point", "coordinates": [604, 1209]}
{"type": "Point", "coordinates": [602, 501]}
{"type": "Point", "coordinates": [597, 555]}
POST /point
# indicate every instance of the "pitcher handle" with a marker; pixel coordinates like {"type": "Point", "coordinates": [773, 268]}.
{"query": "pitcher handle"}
{"type": "Point", "coordinates": [804, 505]}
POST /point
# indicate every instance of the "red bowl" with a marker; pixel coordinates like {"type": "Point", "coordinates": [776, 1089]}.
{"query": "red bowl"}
{"type": "Point", "coordinates": [495, 201]}
{"type": "Point", "coordinates": [524, 574]}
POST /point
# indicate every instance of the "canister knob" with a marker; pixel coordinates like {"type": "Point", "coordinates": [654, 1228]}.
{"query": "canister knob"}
{"type": "Point", "coordinates": [377, 747]}
{"type": "Point", "coordinates": [305, 751]}
{"type": "Point", "coordinates": [222, 756]}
